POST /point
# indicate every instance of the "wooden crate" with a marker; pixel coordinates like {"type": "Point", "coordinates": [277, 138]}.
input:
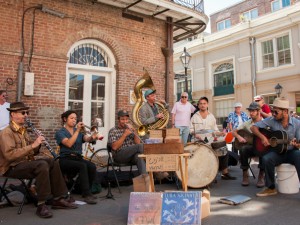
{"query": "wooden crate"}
{"type": "Point", "coordinates": [163, 148]}
{"type": "Point", "coordinates": [155, 133]}
{"type": "Point", "coordinates": [171, 132]}
{"type": "Point", "coordinates": [172, 139]}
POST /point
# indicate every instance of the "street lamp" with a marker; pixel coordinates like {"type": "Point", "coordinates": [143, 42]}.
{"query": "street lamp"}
{"type": "Point", "coordinates": [278, 90]}
{"type": "Point", "coordinates": [185, 60]}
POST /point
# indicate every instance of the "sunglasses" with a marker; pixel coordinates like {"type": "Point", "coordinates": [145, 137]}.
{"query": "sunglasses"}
{"type": "Point", "coordinates": [276, 112]}
{"type": "Point", "coordinates": [257, 100]}
{"type": "Point", "coordinates": [183, 96]}
{"type": "Point", "coordinates": [24, 112]}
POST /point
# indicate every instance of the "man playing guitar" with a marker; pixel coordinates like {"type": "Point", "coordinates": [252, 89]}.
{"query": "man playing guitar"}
{"type": "Point", "coordinates": [246, 149]}
{"type": "Point", "coordinates": [280, 120]}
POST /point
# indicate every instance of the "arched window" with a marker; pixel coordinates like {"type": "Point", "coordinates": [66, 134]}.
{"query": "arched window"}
{"type": "Point", "coordinates": [223, 79]}
{"type": "Point", "coordinates": [89, 54]}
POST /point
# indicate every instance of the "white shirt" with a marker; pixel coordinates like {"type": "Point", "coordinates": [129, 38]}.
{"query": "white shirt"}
{"type": "Point", "coordinates": [4, 115]}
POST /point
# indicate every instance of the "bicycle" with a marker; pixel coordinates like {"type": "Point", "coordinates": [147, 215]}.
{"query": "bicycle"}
{"type": "Point", "coordinates": [99, 157]}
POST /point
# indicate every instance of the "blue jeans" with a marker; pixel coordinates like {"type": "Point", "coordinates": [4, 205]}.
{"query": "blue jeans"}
{"type": "Point", "coordinates": [273, 159]}
{"type": "Point", "coordinates": [184, 133]}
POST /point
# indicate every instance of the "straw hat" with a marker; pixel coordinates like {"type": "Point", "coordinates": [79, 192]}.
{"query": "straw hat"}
{"type": "Point", "coordinates": [281, 103]}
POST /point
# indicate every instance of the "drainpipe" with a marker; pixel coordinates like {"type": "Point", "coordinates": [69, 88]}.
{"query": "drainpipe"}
{"type": "Point", "coordinates": [20, 81]}
{"type": "Point", "coordinates": [253, 66]}
{"type": "Point", "coordinates": [168, 52]}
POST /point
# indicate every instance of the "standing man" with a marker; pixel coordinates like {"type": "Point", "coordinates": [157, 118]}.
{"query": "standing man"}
{"type": "Point", "coordinates": [281, 120]}
{"type": "Point", "coordinates": [4, 114]}
{"type": "Point", "coordinates": [19, 159]}
{"type": "Point", "coordinates": [247, 150]}
{"type": "Point", "coordinates": [265, 109]}
{"type": "Point", "coordinates": [181, 116]}
{"type": "Point", "coordinates": [204, 120]}
{"type": "Point", "coordinates": [125, 143]}
{"type": "Point", "coordinates": [237, 117]}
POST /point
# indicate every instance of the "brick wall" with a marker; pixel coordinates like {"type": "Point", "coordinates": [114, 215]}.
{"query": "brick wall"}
{"type": "Point", "coordinates": [233, 13]}
{"type": "Point", "coordinates": [135, 45]}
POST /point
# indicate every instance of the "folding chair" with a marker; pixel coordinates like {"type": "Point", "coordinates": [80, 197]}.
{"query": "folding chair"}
{"type": "Point", "coordinates": [24, 184]}
{"type": "Point", "coordinates": [116, 166]}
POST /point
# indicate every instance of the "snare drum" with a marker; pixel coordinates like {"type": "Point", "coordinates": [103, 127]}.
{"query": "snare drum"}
{"type": "Point", "coordinates": [220, 148]}
{"type": "Point", "coordinates": [203, 165]}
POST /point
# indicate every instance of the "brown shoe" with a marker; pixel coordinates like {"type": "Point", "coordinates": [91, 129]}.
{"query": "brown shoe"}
{"type": "Point", "coordinates": [267, 192]}
{"type": "Point", "coordinates": [245, 181]}
{"type": "Point", "coordinates": [90, 200]}
{"type": "Point", "coordinates": [261, 179]}
{"type": "Point", "coordinates": [63, 204]}
{"type": "Point", "coordinates": [43, 211]}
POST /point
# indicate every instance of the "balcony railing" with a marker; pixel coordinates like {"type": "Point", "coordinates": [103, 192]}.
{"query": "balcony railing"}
{"type": "Point", "coordinates": [197, 5]}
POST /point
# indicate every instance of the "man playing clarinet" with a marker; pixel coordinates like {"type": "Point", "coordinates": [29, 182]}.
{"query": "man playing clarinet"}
{"type": "Point", "coordinates": [21, 158]}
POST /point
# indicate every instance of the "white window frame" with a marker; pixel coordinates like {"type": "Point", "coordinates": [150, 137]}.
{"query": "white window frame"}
{"type": "Point", "coordinates": [247, 18]}
{"type": "Point", "coordinates": [224, 24]}
{"type": "Point", "coordinates": [273, 37]}
{"type": "Point", "coordinates": [280, 5]}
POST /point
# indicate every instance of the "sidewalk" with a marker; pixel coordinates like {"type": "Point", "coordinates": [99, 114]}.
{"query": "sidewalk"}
{"type": "Point", "coordinates": [280, 209]}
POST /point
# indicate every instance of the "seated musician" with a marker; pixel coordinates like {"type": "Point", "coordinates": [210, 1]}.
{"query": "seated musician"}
{"type": "Point", "coordinates": [21, 158]}
{"type": "Point", "coordinates": [125, 143]}
{"type": "Point", "coordinates": [204, 120]}
{"type": "Point", "coordinates": [247, 150]}
{"type": "Point", "coordinates": [70, 139]}
{"type": "Point", "coordinates": [282, 121]}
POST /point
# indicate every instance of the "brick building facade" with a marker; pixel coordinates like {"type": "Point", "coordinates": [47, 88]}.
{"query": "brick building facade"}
{"type": "Point", "coordinates": [120, 48]}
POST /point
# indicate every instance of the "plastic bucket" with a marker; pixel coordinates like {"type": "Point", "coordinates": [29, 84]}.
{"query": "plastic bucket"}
{"type": "Point", "coordinates": [287, 179]}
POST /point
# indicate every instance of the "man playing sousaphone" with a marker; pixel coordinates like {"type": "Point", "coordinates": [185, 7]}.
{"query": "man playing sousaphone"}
{"type": "Point", "coordinates": [204, 127]}
{"type": "Point", "coordinates": [246, 149]}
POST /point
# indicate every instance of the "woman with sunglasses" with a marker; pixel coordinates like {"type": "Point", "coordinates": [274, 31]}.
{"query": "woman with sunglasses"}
{"type": "Point", "coordinates": [70, 139]}
{"type": "Point", "coordinates": [181, 116]}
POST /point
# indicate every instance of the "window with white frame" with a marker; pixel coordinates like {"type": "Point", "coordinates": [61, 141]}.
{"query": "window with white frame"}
{"type": "Point", "coordinates": [250, 15]}
{"type": "Point", "coordinates": [276, 51]}
{"type": "Point", "coordinates": [222, 109]}
{"type": "Point", "coordinates": [224, 24]}
{"type": "Point", "coordinates": [279, 4]}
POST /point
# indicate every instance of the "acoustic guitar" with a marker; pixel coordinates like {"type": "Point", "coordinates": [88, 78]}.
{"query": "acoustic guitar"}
{"type": "Point", "coordinates": [247, 136]}
{"type": "Point", "coordinates": [278, 141]}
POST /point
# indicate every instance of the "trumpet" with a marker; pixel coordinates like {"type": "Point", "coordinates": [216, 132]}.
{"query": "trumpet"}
{"type": "Point", "coordinates": [92, 130]}
{"type": "Point", "coordinates": [133, 132]}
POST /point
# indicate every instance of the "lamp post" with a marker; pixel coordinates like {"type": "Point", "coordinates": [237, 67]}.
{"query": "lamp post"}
{"type": "Point", "coordinates": [185, 60]}
{"type": "Point", "coordinates": [278, 90]}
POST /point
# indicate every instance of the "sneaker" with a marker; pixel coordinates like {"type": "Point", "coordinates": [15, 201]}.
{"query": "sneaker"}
{"type": "Point", "coordinates": [89, 200]}
{"type": "Point", "coordinates": [267, 192]}
{"type": "Point", "coordinates": [227, 176]}
{"type": "Point", "coordinates": [43, 211]}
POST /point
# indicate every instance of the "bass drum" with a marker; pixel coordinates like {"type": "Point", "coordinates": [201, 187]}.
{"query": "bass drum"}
{"type": "Point", "coordinates": [203, 165]}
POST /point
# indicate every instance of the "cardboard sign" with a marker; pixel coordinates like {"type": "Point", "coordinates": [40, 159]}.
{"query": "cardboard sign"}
{"type": "Point", "coordinates": [162, 162]}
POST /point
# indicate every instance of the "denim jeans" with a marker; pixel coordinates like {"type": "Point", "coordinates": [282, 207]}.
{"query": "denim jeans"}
{"type": "Point", "coordinates": [273, 159]}
{"type": "Point", "coordinates": [184, 133]}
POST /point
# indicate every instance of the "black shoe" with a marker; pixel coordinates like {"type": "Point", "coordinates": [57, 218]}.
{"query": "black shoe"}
{"type": "Point", "coordinates": [43, 211]}
{"type": "Point", "coordinates": [227, 176]}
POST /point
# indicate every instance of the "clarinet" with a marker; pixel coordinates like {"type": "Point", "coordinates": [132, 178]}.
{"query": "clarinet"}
{"type": "Point", "coordinates": [39, 133]}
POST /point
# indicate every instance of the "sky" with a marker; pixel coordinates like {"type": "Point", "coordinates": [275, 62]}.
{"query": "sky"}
{"type": "Point", "coordinates": [211, 6]}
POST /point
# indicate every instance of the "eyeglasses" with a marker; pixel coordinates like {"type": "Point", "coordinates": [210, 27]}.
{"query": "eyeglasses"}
{"type": "Point", "coordinates": [183, 96]}
{"type": "Point", "coordinates": [276, 112]}
{"type": "Point", "coordinates": [257, 100]}
{"type": "Point", "coordinates": [24, 112]}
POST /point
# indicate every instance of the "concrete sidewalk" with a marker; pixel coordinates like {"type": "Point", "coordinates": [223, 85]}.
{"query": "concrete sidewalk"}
{"type": "Point", "coordinates": [280, 209]}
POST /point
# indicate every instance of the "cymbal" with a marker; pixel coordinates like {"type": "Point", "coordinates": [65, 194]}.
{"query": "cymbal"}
{"type": "Point", "coordinates": [204, 131]}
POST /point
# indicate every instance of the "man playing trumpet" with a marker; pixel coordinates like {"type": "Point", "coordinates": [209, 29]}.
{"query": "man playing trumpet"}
{"type": "Point", "coordinates": [125, 143]}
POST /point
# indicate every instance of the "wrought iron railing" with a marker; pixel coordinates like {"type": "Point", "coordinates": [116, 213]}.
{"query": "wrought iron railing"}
{"type": "Point", "coordinates": [197, 5]}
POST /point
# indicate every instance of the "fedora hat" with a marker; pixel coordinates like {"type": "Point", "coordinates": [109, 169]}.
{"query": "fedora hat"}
{"type": "Point", "coordinates": [17, 106]}
{"type": "Point", "coordinates": [281, 103]}
{"type": "Point", "coordinates": [253, 106]}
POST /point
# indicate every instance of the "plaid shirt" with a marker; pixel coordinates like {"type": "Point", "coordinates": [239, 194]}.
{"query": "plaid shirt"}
{"type": "Point", "coordinates": [116, 133]}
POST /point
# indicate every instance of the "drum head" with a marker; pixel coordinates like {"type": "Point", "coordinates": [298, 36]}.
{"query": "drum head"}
{"type": "Point", "coordinates": [203, 165]}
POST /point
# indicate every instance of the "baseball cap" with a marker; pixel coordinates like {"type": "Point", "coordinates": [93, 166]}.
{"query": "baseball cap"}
{"type": "Point", "coordinates": [123, 113]}
{"type": "Point", "coordinates": [258, 98]}
{"type": "Point", "coordinates": [238, 104]}
{"type": "Point", "coordinates": [149, 92]}
{"type": "Point", "coordinates": [253, 106]}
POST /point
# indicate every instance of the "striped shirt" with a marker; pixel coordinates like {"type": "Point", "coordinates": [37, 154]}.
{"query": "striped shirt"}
{"type": "Point", "coordinates": [116, 133]}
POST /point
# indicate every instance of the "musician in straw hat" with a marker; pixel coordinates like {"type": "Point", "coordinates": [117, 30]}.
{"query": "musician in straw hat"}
{"type": "Point", "coordinates": [17, 160]}
{"type": "Point", "coordinates": [282, 121]}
